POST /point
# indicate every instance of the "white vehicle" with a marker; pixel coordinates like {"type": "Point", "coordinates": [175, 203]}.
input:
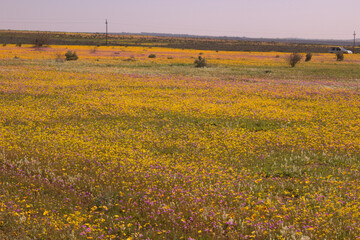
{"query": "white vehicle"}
{"type": "Point", "coordinates": [339, 49]}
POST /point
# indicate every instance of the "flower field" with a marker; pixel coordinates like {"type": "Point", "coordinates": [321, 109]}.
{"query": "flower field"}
{"type": "Point", "coordinates": [117, 145]}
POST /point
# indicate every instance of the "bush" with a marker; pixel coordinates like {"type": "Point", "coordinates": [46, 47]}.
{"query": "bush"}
{"type": "Point", "coordinates": [4, 44]}
{"type": "Point", "coordinates": [308, 57]}
{"type": "Point", "coordinates": [339, 56]}
{"type": "Point", "coordinates": [294, 58]}
{"type": "Point", "coordinates": [152, 56]}
{"type": "Point", "coordinates": [18, 44]}
{"type": "Point", "coordinates": [40, 40]}
{"type": "Point", "coordinates": [200, 62]}
{"type": "Point", "coordinates": [71, 56]}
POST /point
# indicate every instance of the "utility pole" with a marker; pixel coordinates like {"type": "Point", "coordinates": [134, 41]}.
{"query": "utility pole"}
{"type": "Point", "coordinates": [106, 22]}
{"type": "Point", "coordinates": [354, 42]}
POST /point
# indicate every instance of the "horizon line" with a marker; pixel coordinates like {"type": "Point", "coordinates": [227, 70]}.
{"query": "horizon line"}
{"type": "Point", "coordinates": [191, 35]}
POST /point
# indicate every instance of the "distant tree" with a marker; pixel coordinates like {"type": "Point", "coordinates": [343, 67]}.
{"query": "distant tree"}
{"type": "Point", "coordinates": [200, 62]}
{"type": "Point", "coordinates": [71, 56]}
{"type": "Point", "coordinates": [293, 59]}
{"type": "Point", "coordinates": [308, 57]}
{"type": "Point", "coordinates": [41, 39]}
{"type": "Point", "coordinates": [339, 56]}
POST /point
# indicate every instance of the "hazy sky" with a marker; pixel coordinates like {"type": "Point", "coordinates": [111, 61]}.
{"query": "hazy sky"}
{"type": "Point", "coordinates": [317, 19]}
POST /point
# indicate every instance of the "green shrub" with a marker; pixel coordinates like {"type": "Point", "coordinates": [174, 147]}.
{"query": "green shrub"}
{"type": "Point", "coordinates": [200, 62]}
{"type": "Point", "coordinates": [40, 40]}
{"type": "Point", "coordinates": [4, 44]}
{"type": "Point", "coordinates": [339, 56]}
{"type": "Point", "coordinates": [18, 44]}
{"type": "Point", "coordinates": [71, 56]}
{"type": "Point", "coordinates": [308, 57]}
{"type": "Point", "coordinates": [152, 56]}
{"type": "Point", "coordinates": [294, 58]}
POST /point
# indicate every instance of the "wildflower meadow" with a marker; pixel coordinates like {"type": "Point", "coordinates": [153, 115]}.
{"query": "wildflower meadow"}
{"type": "Point", "coordinates": [117, 145]}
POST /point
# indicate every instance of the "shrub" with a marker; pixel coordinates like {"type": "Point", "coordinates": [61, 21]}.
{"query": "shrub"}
{"type": "Point", "coordinates": [200, 62]}
{"type": "Point", "coordinates": [152, 56]}
{"type": "Point", "coordinates": [18, 44]}
{"type": "Point", "coordinates": [339, 56]}
{"type": "Point", "coordinates": [4, 44]}
{"type": "Point", "coordinates": [308, 57]}
{"type": "Point", "coordinates": [40, 40]}
{"type": "Point", "coordinates": [71, 56]}
{"type": "Point", "coordinates": [294, 58]}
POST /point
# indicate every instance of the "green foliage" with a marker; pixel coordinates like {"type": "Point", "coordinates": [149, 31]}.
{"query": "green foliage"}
{"type": "Point", "coordinates": [339, 56]}
{"type": "Point", "coordinates": [152, 56]}
{"type": "Point", "coordinates": [308, 57]}
{"type": "Point", "coordinates": [92, 39]}
{"type": "Point", "coordinates": [294, 58]}
{"type": "Point", "coordinates": [71, 56]}
{"type": "Point", "coordinates": [18, 44]}
{"type": "Point", "coordinates": [200, 62]}
{"type": "Point", "coordinates": [40, 40]}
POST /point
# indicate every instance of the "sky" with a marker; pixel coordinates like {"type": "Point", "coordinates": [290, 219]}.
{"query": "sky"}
{"type": "Point", "coordinates": [312, 19]}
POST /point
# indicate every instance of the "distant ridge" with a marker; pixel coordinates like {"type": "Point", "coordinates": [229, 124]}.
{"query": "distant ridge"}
{"type": "Point", "coordinates": [179, 41]}
{"type": "Point", "coordinates": [283, 40]}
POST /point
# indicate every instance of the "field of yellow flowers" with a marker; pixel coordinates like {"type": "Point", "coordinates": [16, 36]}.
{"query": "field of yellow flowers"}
{"type": "Point", "coordinates": [117, 145]}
